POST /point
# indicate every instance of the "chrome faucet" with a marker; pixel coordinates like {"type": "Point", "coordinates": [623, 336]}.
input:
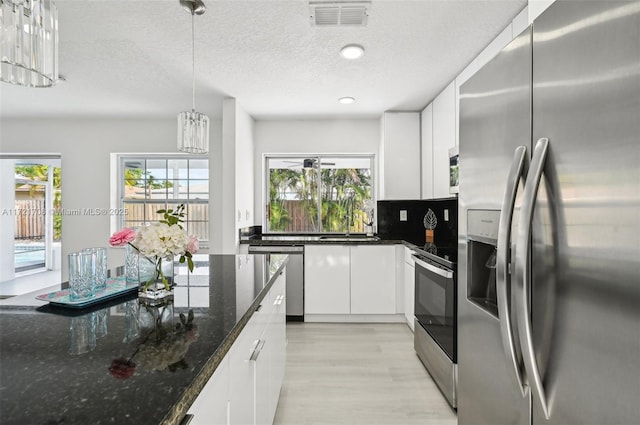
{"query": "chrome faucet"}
{"type": "Point", "coordinates": [349, 215]}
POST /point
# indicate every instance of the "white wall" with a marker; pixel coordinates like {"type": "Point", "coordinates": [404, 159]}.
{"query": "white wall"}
{"type": "Point", "coordinates": [85, 146]}
{"type": "Point", "coordinates": [310, 137]}
{"type": "Point", "coordinates": [236, 205]}
{"type": "Point", "coordinates": [7, 218]}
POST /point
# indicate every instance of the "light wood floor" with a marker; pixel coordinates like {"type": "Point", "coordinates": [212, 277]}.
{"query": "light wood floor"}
{"type": "Point", "coordinates": [357, 374]}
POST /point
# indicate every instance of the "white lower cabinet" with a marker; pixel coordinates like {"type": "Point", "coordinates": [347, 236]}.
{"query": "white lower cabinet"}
{"type": "Point", "coordinates": [373, 279]}
{"type": "Point", "coordinates": [212, 405]}
{"type": "Point", "coordinates": [349, 280]}
{"type": "Point", "coordinates": [270, 355]}
{"type": "Point", "coordinates": [245, 388]}
{"type": "Point", "coordinates": [242, 398]}
{"type": "Point", "coordinates": [327, 279]}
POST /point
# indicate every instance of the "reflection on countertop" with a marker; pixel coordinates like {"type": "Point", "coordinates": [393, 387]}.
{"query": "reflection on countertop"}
{"type": "Point", "coordinates": [125, 362]}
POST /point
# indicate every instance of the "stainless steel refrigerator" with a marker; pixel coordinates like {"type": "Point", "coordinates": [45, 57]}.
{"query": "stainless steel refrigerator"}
{"type": "Point", "coordinates": [549, 223]}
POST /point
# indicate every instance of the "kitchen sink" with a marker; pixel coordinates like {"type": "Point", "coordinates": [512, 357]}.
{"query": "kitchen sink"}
{"type": "Point", "coordinates": [349, 238]}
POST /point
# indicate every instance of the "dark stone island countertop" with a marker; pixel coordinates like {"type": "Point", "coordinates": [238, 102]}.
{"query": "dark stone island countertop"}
{"type": "Point", "coordinates": [42, 383]}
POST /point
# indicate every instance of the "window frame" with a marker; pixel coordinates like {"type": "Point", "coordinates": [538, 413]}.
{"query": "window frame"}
{"type": "Point", "coordinates": [167, 201]}
{"type": "Point", "coordinates": [319, 157]}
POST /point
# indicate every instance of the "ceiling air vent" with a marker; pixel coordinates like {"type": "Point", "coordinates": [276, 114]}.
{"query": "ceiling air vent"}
{"type": "Point", "coordinates": [331, 14]}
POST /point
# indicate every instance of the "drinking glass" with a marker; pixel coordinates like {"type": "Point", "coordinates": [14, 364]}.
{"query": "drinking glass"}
{"type": "Point", "coordinates": [81, 286]}
{"type": "Point", "coordinates": [98, 267]}
{"type": "Point", "coordinates": [82, 334]}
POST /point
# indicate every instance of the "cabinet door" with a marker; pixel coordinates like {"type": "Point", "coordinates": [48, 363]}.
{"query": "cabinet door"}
{"type": "Point", "coordinates": [373, 279]}
{"type": "Point", "coordinates": [210, 407]}
{"type": "Point", "coordinates": [241, 376]}
{"type": "Point", "coordinates": [444, 138]}
{"type": "Point", "coordinates": [262, 360]}
{"type": "Point", "coordinates": [278, 340]}
{"type": "Point", "coordinates": [326, 279]}
{"type": "Point", "coordinates": [270, 356]}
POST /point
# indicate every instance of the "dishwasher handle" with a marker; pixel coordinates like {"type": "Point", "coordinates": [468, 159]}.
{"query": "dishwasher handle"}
{"type": "Point", "coordinates": [276, 249]}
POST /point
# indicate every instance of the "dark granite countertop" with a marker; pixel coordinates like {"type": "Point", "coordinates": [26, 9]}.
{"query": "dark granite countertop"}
{"type": "Point", "coordinates": [357, 239]}
{"type": "Point", "coordinates": [42, 383]}
{"type": "Point", "coordinates": [325, 239]}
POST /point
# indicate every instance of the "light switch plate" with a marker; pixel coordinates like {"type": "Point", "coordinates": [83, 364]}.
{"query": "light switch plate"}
{"type": "Point", "coordinates": [403, 215]}
{"type": "Point", "coordinates": [446, 215]}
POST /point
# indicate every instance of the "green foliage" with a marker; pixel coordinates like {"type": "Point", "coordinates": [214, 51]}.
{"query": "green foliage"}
{"type": "Point", "coordinates": [343, 192]}
{"type": "Point", "coordinates": [136, 177]}
{"type": "Point", "coordinates": [174, 218]}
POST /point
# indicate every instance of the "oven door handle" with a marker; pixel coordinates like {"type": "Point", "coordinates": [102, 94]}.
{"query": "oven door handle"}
{"type": "Point", "coordinates": [503, 257]}
{"type": "Point", "coordinates": [433, 269]}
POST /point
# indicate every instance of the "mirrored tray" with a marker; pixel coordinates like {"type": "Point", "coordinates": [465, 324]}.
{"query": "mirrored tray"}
{"type": "Point", "coordinates": [115, 288]}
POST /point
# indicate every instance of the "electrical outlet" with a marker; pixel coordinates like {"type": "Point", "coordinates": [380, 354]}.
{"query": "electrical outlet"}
{"type": "Point", "coordinates": [403, 215]}
{"type": "Point", "coordinates": [446, 215]}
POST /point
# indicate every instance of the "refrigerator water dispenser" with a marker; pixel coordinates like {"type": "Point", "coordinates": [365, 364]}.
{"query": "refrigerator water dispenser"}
{"type": "Point", "coordinates": [481, 263]}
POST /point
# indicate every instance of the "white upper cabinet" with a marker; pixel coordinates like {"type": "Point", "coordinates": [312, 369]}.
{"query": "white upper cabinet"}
{"type": "Point", "coordinates": [536, 7]}
{"type": "Point", "coordinates": [426, 151]}
{"type": "Point", "coordinates": [400, 156]}
{"type": "Point", "coordinates": [444, 138]}
{"type": "Point", "coordinates": [495, 46]}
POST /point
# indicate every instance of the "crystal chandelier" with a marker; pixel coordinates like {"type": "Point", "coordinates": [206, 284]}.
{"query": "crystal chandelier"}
{"type": "Point", "coordinates": [29, 42]}
{"type": "Point", "coordinates": [193, 127]}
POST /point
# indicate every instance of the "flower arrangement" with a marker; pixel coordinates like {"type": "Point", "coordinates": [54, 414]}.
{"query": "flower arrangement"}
{"type": "Point", "coordinates": [167, 350]}
{"type": "Point", "coordinates": [163, 239]}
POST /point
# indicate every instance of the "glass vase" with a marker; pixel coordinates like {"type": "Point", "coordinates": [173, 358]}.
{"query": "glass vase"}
{"type": "Point", "coordinates": [368, 228]}
{"type": "Point", "coordinates": [155, 319]}
{"type": "Point", "coordinates": [155, 277]}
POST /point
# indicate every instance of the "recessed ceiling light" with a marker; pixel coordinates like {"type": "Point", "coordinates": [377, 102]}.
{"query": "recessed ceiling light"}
{"type": "Point", "coordinates": [352, 51]}
{"type": "Point", "coordinates": [346, 100]}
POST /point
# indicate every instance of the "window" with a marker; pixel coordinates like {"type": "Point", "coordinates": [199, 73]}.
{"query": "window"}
{"type": "Point", "coordinates": [149, 184]}
{"type": "Point", "coordinates": [319, 194]}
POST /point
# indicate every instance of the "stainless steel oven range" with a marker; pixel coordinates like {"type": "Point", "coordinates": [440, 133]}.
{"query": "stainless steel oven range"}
{"type": "Point", "coordinates": [435, 335]}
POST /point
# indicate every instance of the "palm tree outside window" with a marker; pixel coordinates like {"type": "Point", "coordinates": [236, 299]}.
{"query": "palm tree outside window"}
{"type": "Point", "coordinates": [318, 194]}
{"type": "Point", "coordinates": [153, 182]}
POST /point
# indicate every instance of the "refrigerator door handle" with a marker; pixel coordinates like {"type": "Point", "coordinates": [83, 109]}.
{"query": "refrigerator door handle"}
{"type": "Point", "coordinates": [523, 272]}
{"type": "Point", "coordinates": [503, 281]}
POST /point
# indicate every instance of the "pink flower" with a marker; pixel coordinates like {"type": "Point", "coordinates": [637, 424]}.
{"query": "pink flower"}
{"type": "Point", "coordinates": [122, 237]}
{"type": "Point", "coordinates": [194, 245]}
{"type": "Point", "coordinates": [122, 368]}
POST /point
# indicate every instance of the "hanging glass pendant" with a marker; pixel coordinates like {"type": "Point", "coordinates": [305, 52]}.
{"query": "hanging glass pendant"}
{"type": "Point", "coordinates": [193, 132]}
{"type": "Point", "coordinates": [193, 127]}
{"type": "Point", "coordinates": [29, 42]}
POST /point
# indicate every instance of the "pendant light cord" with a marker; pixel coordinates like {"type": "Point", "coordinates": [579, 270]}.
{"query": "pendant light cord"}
{"type": "Point", "coordinates": [193, 60]}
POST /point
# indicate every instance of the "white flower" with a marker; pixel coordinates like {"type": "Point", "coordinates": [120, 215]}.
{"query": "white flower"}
{"type": "Point", "coordinates": [161, 240]}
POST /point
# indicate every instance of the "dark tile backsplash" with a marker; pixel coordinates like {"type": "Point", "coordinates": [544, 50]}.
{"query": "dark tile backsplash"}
{"type": "Point", "coordinates": [412, 230]}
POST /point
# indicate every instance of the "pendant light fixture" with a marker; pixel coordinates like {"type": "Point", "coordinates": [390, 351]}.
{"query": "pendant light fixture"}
{"type": "Point", "coordinates": [29, 42]}
{"type": "Point", "coordinates": [193, 127]}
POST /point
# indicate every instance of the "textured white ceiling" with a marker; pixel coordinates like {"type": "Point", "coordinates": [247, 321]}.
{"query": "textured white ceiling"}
{"type": "Point", "coordinates": [133, 58]}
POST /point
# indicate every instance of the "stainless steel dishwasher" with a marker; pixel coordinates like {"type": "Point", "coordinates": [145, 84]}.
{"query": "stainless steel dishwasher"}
{"type": "Point", "coordinates": [295, 276]}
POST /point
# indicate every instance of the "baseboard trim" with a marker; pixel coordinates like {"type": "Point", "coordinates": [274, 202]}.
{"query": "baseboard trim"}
{"type": "Point", "coordinates": [354, 318]}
